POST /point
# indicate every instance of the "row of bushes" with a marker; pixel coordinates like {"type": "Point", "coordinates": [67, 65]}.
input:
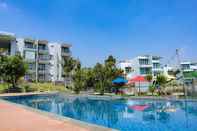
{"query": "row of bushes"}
{"type": "Point", "coordinates": [32, 87]}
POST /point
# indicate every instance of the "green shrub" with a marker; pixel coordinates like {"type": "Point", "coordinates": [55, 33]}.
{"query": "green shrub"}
{"type": "Point", "coordinates": [32, 87]}
{"type": "Point", "coordinates": [151, 88]}
{"type": "Point", "coordinates": [42, 87]}
{"type": "Point", "coordinates": [29, 88]}
{"type": "Point", "coordinates": [3, 87]}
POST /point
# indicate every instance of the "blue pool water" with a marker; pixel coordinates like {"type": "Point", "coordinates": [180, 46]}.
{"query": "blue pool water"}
{"type": "Point", "coordinates": [160, 115]}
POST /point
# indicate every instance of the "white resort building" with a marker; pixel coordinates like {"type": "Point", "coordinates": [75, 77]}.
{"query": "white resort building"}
{"type": "Point", "coordinates": [188, 66]}
{"type": "Point", "coordinates": [141, 65]}
{"type": "Point", "coordinates": [45, 59]}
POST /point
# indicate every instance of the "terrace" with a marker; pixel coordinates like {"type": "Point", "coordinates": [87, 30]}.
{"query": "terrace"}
{"type": "Point", "coordinates": [65, 51]}
{"type": "Point", "coordinates": [5, 43]}
{"type": "Point", "coordinates": [42, 47]}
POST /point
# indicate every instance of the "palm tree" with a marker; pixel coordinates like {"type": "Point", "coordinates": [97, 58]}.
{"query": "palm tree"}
{"type": "Point", "coordinates": [149, 78]}
{"type": "Point", "coordinates": [161, 81]}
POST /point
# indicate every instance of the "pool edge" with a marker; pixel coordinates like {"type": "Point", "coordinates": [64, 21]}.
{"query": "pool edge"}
{"type": "Point", "coordinates": [92, 127]}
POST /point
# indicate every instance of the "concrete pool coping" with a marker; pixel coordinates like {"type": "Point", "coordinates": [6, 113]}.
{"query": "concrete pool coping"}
{"type": "Point", "coordinates": [78, 123]}
{"type": "Point", "coordinates": [107, 97]}
{"type": "Point", "coordinates": [112, 97]}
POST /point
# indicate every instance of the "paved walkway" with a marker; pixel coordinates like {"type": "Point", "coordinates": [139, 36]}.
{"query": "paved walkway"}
{"type": "Point", "coordinates": [14, 118]}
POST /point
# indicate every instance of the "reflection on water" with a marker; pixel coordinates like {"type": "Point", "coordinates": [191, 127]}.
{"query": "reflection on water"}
{"type": "Point", "coordinates": [159, 116]}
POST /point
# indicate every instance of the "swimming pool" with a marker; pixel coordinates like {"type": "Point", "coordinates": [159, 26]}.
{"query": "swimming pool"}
{"type": "Point", "coordinates": [121, 114]}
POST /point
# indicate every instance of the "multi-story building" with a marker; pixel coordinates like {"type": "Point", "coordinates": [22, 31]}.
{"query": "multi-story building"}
{"type": "Point", "coordinates": [45, 59]}
{"type": "Point", "coordinates": [141, 65]}
{"type": "Point", "coordinates": [188, 66]}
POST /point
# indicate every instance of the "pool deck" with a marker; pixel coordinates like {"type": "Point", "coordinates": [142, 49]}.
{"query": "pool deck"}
{"type": "Point", "coordinates": [15, 117]}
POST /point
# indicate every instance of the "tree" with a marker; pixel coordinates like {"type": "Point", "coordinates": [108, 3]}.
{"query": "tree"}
{"type": "Point", "coordinates": [111, 72]}
{"type": "Point", "coordinates": [149, 77]}
{"type": "Point", "coordinates": [99, 76]}
{"type": "Point", "coordinates": [110, 61]}
{"type": "Point", "coordinates": [151, 88]}
{"type": "Point", "coordinates": [79, 80]}
{"type": "Point", "coordinates": [161, 80]}
{"type": "Point", "coordinates": [12, 69]}
{"type": "Point", "coordinates": [70, 65]}
{"type": "Point", "coordinates": [89, 78]}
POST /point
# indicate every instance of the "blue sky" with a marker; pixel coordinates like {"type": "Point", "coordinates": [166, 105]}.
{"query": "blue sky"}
{"type": "Point", "coordinates": [98, 28]}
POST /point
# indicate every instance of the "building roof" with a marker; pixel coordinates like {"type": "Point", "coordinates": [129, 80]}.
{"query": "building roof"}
{"type": "Point", "coordinates": [5, 40]}
{"type": "Point", "coordinates": [65, 45]}
{"type": "Point", "coordinates": [29, 40]}
{"type": "Point", "coordinates": [44, 42]}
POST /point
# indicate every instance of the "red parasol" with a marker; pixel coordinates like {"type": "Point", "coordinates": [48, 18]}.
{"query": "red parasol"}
{"type": "Point", "coordinates": [138, 79]}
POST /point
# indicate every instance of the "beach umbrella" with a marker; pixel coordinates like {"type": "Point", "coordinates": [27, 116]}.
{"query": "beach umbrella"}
{"type": "Point", "coordinates": [138, 79]}
{"type": "Point", "coordinates": [119, 81]}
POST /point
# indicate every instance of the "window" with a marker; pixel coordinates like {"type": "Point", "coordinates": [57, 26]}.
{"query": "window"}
{"type": "Point", "coordinates": [185, 66]}
{"type": "Point", "coordinates": [31, 66]}
{"type": "Point", "coordinates": [156, 65]}
{"type": "Point", "coordinates": [144, 62]}
{"type": "Point", "coordinates": [30, 55]}
{"type": "Point", "coordinates": [42, 47]}
{"type": "Point", "coordinates": [128, 69]}
{"type": "Point", "coordinates": [51, 57]}
{"type": "Point", "coordinates": [43, 57]}
{"type": "Point", "coordinates": [65, 49]}
{"type": "Point", "coordinates": [41, 66]}
{"type": "Point", "coordinates": [41, 77]}
{"type": "Point", "coordinates": [29, 45]}
{"type": "Point", "coordinates": [145, 71]}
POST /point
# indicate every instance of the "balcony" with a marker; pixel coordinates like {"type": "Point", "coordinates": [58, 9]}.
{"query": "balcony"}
{"type": "Point", "coordinates": [42, 71]}
{"type": "Point", "coordinates": [43, 59]}
{"type": "Point", "coordinates": [30, 47]}
{"type": "Point", "coordinates": [5, 42]}
{"type": "Point", "coordinates": [187, 70]}
{"type": "Point", "coordinates": [66, 54]}
{"type": "Point", "coordinates": [42, 47]}
{"type": "Point", "coordinates": [146, 65]}
{"type": "Point", "coordinates": [145, 71]}
{"type": "Point", "coordinates": [31, 71]}
{"type": "Point", "coordinates": [157, 69]}
{"type": "Point", "coordinates": [30, 60]}
{"type": "Point", "coordinates": [65, 51]}
{"type": "Point", "coordinates": [44, 78]}
{"type": "Point", "coordinates": [43, 51]}
{"type": "Point", "coordinates": [155, 61]}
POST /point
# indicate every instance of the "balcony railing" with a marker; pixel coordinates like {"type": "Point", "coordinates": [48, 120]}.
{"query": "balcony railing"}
{"type": "Point", "coordinates": [146, 65]}
{"type": "Point", "coordinates": [66, 53]}
{"type": "Point", "coordinates": [43, 51]}
{"type": "Point", "coordinates": [157, 69]}
{"type": "Point", "coordinates": [30, 47]}
{"type": "Point", "coordinates": [42, 71]}
{"type": "Point", "coordinates": [31, 70]}
{"type": "Point", "coordinates": [155, 61]}
{"type": "Point", "coordinates": [30, 60]}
